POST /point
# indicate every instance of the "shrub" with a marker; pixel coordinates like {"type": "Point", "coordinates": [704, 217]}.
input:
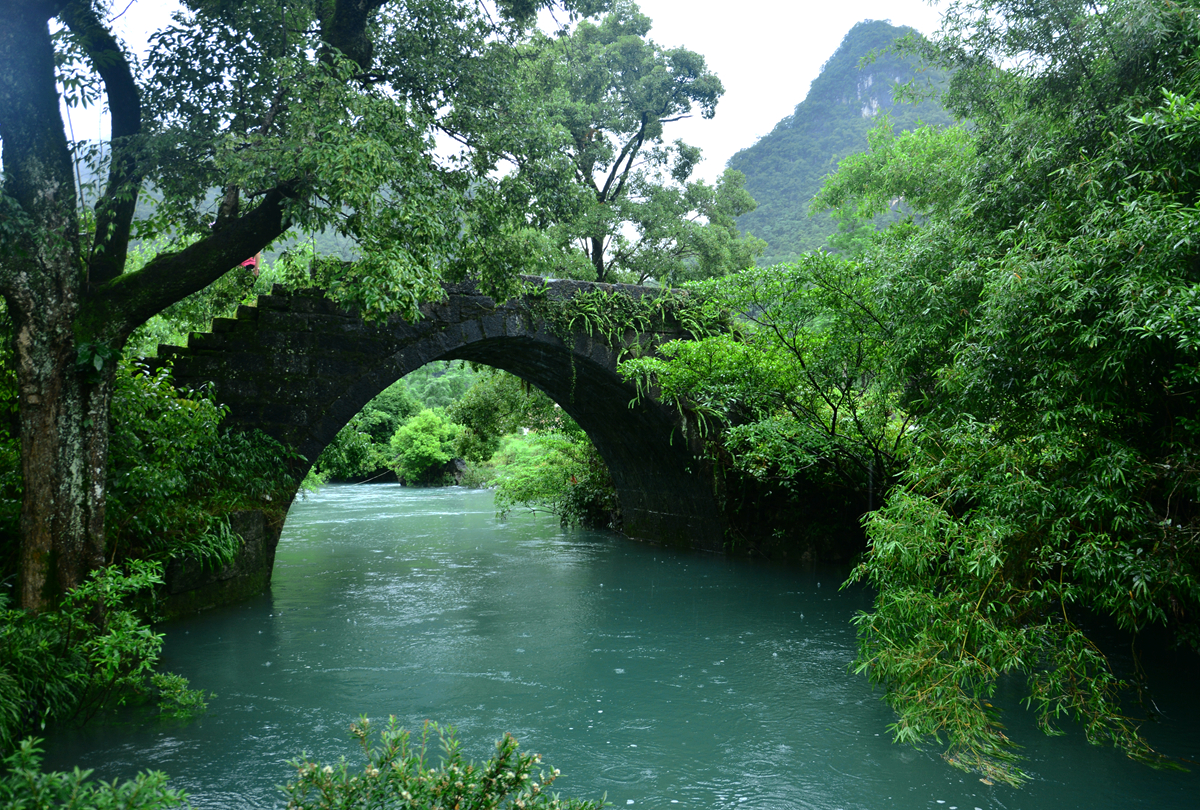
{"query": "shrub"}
{"type": "Point", "coordinates": [360, 449]}
{"type": "Point", "coordinates": [557, 472]}
{"type": "Point", "coordinates": [25, 787]}
{"type": "Point", "coordinates": [174, 473]}
{"type": "Point", "coordinates": [397, 776]}
{"type": "Point", "coordinates": [93, 653]}
{"type": "Point", "coordinates": [352, 455]}
{"type": "Point", "coordinates": [499, 404]}
{"type": "Point", "coordinates": [423, 446]}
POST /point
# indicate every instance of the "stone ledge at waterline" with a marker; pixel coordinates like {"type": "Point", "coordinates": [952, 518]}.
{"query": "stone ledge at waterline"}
{"type": "Point", "coordinates": [189, 586]}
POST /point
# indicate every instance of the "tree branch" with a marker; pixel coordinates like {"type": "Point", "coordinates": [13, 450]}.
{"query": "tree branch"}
{"type": "Point", "coordinates": [130, 299]}
{"type": "Point", "coordinates": [628, 153]}
{"type": "Point", "coordinates": [344, 28]}
{"type": "Point", "coordinates": [114, 212]}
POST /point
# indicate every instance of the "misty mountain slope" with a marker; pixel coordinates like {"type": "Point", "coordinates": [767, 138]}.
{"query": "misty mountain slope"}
{"type": "Point", "coordinates": [785, 168]}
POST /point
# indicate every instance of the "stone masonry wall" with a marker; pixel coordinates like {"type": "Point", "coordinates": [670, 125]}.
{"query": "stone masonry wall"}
{"type": "Point", "coordinates": [189, 586]}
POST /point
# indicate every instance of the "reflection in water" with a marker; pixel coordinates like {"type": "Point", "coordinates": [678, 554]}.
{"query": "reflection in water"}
{"type": "Point", "coordinates": [664, 679]}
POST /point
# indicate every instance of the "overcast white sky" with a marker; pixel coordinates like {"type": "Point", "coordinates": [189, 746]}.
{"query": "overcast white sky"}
{"type": "Point", "coordinates": [767, 52]}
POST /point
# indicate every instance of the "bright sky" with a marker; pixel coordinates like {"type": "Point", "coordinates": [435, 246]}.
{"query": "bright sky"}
{"type": "Point", "coordinates": [766, 52]}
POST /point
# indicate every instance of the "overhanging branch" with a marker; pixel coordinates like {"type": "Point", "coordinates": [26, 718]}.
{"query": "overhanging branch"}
{"type": "Point", "coordinates": [130, 299]}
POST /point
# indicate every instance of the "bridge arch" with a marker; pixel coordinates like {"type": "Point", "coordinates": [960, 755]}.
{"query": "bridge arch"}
{"type": "Point", "coordinates": [299, 367]}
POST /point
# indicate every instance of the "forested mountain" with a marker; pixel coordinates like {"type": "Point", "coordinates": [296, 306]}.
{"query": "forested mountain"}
{"type": "Point", "coordinates": [784, 169]}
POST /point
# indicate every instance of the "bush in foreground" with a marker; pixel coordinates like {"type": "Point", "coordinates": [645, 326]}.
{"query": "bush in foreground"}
{"type": "Point", "coordinates": [67, 666]}
{"type": "Point", "coordinates": [25, 787]}
{"type": "Point", "coordinates": [397, 777]}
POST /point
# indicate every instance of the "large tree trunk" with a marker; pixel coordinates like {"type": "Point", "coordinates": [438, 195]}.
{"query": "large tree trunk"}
{"type": "Point", "coordinates": [68, 310]}
{"type": "Point", "coordinates": [64, 413]}
{"type": "Point", "coordinates": [64, 409]}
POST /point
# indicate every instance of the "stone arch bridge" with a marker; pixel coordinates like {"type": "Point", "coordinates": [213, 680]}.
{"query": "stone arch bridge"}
{"type": "Point", "coordinates": [298, 367]}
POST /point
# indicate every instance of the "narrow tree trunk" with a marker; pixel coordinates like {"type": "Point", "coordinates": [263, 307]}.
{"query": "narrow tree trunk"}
{"type": "Point", "coordinates": [597, 257]}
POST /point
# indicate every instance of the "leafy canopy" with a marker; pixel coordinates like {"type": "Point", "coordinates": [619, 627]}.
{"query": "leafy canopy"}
{"type": "Point", "coordinates": [580, 118]}
{"type": "Point", "coordinates": [1044, 329]}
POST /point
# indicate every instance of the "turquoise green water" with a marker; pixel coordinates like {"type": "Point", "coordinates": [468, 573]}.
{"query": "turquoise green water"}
{"type": "Point", "coordinates": [666, 680]}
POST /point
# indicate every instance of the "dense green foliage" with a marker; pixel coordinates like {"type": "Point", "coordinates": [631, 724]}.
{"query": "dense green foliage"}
{"type": "Point", "coordinates": [1056, 476]}
{"type": "Point", "coordinates": [175, 473]}
{"type": "Point", "coordinates": [798, 394]}
{"type": "Point", "coordinates": [423, 446]}
{"type": "Point", "coordinates": [497, 405]}
{"type": "Point", "coordinates": [441, 383]}
{"type": "Point", "coordinates": [560, 472]}
{"type": "Point", "coordinates": [1045, 329]}
{"type": "Point", "coordinates": [785, 168]}
{"type": "Point", "coordinates": [360, 451]}
{"type": "Point", "coordinates": [400, 774]}
{"type": "Point", "coordinates": [376, 180]}
{"type": "Point", "coordinates": [1012, 369]}
{"type": "Point", "coordinates": [67, 665]}
{"type": "Point", "coordinates": [27, 787]}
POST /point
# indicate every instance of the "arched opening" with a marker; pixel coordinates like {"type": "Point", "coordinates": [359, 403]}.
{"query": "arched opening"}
{"type": "Point", "coordinates": [641, 443]}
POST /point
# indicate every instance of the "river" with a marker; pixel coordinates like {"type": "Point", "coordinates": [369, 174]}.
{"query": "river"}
{"type": "Point", "coordinates": [664, 679]}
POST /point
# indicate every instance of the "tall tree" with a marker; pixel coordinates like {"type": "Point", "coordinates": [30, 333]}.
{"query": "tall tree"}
{"type": "Point", "coordinates": [314, 113]}
{"type": "Point", "coordinates": [579, 116]}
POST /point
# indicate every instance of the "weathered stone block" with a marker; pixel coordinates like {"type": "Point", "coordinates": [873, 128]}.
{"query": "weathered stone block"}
{"type": "Point", "coordinates": [282, 320]}
{"type": "Point", "coordinates": [306, 304]}
{"type": "Point", "coordinates": [492, 325]}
